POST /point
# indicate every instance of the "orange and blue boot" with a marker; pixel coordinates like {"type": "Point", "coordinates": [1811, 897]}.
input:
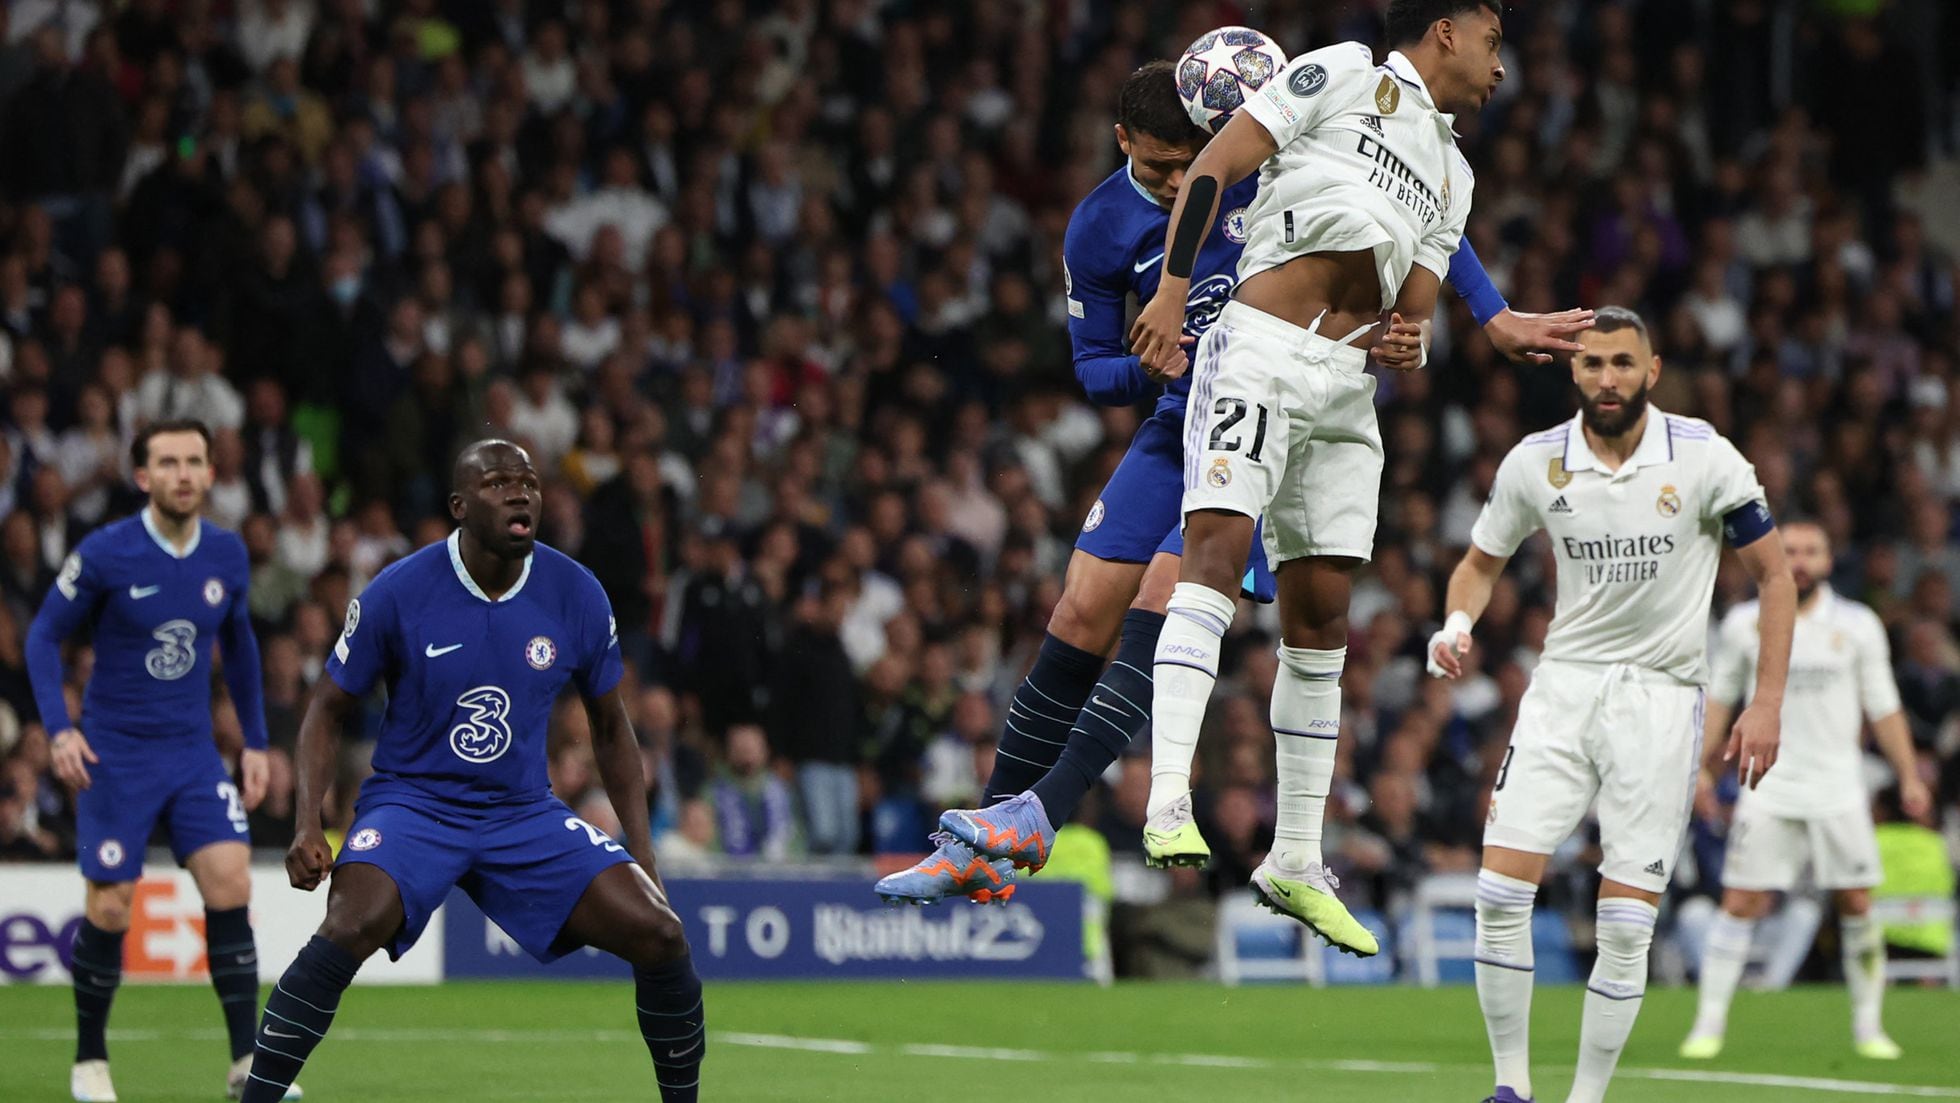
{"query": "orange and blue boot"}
{"type": "Point", "coordinates": [1016, 829]}
{"type": "Point", "coordinates": [950, 871]}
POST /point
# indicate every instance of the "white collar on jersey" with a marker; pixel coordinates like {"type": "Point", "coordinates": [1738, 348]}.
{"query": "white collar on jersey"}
{"type": "Point", "coordinates": [1139, 188]}
{"type": "Point", "coordinates": [169, 549]}
{"type": "Point", "coordinates": [463, 573]}
{"type": "Point", "coordinates": [1656, 446]}
{"type": "Point", "coordinates": [1821, 606]}
{"type": "Point", "coordinates": [1405, 70]}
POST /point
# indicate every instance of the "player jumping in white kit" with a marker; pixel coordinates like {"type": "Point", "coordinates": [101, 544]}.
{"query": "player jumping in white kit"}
{"type": "Point", "coordinates": [1362, 200]}
{"type": "Point", "coordinates": [1814, 812]}
{"type": "Point", "coordinates": [1636, 503]}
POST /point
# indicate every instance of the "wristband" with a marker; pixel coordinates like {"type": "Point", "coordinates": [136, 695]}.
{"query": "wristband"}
{"type": "Point", "coordinates": [1458, 623]}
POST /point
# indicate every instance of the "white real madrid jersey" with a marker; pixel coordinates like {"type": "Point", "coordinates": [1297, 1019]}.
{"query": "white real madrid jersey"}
{"type": "Point", "coordinates": [1637, 548]}
{"type": "Point", "coordinates": [1840, 674]}
{"type": "Point", "coordinates": [1365, 162]}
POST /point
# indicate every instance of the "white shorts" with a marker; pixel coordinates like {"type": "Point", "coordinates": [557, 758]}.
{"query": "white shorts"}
{"type": "Point", "coordinates": [1281, 422]}
{"type": "Point", "coordinates": [1768, 852]}
{"type": "Point", "coordinates": [1627, 735]}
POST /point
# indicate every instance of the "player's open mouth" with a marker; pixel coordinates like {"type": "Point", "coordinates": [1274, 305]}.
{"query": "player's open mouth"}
{"type": "Point", "coordinates": [519, 526]}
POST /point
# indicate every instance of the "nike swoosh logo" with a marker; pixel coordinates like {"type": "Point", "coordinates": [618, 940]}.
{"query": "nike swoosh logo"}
{"type": "Point", "coordinates": [138, 593]}
{"type": "Point", "coordinates": [1101, 704]}
{"type": "Point", "coordinates": [684, 1052]}
{"type": "Point", "coordinates": [1140, 269]}
{"type": "Point", "coordinates": [1283, 894]}
{"type": "Point", "coordinates": [271, 1033]}
{"type": "Point", "coordinates": [433, 652]}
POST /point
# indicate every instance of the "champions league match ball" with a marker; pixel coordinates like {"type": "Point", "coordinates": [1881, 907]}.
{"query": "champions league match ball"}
{"type": "Point", "coordinates": [1220, 68]}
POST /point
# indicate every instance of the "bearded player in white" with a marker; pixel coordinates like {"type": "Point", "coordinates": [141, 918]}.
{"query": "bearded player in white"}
{"type": "Point", "coordinates": [1813, 812]}
{"type": "Point", "coordinates": [1362, 200]}
{"type": "Point", "coordinates": [1636, 503]}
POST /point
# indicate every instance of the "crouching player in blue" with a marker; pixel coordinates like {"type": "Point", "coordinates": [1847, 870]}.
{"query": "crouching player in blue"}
{"type": "Point", "coordinates": [1072, 716]}
{"type": "Point", "coordinates": [156, 588]}
{"type": "Point", "coordinates": [474, 639]}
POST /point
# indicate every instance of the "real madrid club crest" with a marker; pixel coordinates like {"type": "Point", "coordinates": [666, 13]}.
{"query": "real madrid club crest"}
{"type": "Point", "coordinates": [214, 592]}
{"type": "Point", "coordinates": [541, 652]}
{"type": "Point", "coordinates": [1669, 503]}
{"type": "Point", "coordinates": [1388, 95]}
{"type": "Point", "coordinates": [1557, 475]}
{"type": "Point", "coordinates": [1234, 225]}
{"type": "Point", "coordinates": [1220, 474]}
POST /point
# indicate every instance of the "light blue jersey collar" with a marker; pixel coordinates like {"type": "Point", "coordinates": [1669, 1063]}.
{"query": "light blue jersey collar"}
{"type": "Point", "coordinates": [156, 533]}
{"type": "Point", "coordinates": [463, 573]}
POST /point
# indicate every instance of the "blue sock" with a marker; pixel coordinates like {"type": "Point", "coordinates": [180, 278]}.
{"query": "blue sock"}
{"type": "Point", "coordinates": [297, 1015]}
{"type": "Point", "coordinates": [97, 970]}
{"type": "Point", "coordinates": [234, 960]}
{"type": "Point", "coordinates": [1118, 708]}
{"type": "Point", "coordinates": [672, 1020]}
{"type": "Point", "coordinates": [1040, 716]}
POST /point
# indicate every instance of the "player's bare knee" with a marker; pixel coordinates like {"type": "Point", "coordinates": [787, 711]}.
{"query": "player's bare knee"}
{"type": "Point", "coordinates": [1077, 622]}
{"type": "Point", "coordinates": [1854, 902]}
{"type": "Point", "coordinates": [1159, 579]}
{"type": "Point", "coordinates": [1745, 904]}
{"type": "Point", "coordinates": [659, 940]}
{"type": "Point", "coordinates": [108, 904]}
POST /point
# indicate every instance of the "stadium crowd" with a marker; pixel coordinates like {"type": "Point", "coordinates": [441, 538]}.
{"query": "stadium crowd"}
{"type": "Point", "coordinates": [772, 292]}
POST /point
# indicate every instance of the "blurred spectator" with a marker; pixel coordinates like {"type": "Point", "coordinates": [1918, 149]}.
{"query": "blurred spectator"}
{"type": "Point", "coordinates": [813, 718]}
{"type": "Point", "coordinates": [754, 813]}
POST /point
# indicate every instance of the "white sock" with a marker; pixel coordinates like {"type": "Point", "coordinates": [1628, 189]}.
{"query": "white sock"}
{"type": "Point", "coordinates": [1862, 944]}
{"type": "Point", "coordinates": [1306, 715]}
{"type": "Point", "coordinates": [1724, 954]}
{"type": "Point", "coordinates": [1614, 994]}
{"type": "Point", "coordinates": [1504, 974]}
{"type": "Point", "coordinates": [1183, 675]}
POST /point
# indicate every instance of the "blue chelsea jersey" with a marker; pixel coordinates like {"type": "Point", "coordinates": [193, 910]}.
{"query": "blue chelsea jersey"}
{"type": "Point", "coordinates": [471, 681]}
{"type": "Point", "coordinates": [157, 615]}
{"type": "Point", "coordinates": [1114, 248]}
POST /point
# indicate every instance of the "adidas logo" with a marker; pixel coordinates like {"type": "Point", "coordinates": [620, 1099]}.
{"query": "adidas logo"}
{"type": "Point", "coordinates": [1657, 868]}
{"type": "Point", "coordinates": [1558, 506]}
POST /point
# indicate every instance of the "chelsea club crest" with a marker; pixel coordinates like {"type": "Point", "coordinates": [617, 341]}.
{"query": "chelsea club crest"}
{"type": "Point", "coordinates": [540, 652]}
{"type": "Point", "coordinates": [1234, 225]}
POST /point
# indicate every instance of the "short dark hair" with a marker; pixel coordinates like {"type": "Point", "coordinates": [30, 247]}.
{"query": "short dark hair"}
{"type": "Point", "coordinates": [1409, 20]}
{"type": "Point", "coordinates": [1607, 319]}
{"type": "Point", "coordinates": [1149, 104]}
{"type": "Point", "coordinates": [139, 449]}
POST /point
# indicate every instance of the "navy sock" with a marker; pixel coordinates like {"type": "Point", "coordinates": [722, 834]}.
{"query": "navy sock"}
{"type": "Point", "coordinates": [1118, 708]}
{"type": "Point", "coordinates": [1040, 716]}
{"type": "Point", "coordinates": [672, 1020]}
{"type": "Point", "coordinates": [234, 961]}
{"type": "Point", "coordinates": [97, 970]}
{"type": "Point", "coordinates": [297, 1015]}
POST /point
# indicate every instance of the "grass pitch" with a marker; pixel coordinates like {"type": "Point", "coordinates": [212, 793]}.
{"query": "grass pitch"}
{"type": "Point", "coordinates": [1033, 1042]}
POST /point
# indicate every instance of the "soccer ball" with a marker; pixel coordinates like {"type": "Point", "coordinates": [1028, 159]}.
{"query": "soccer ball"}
{"type": "Point", "coordinates": [1218, 70]}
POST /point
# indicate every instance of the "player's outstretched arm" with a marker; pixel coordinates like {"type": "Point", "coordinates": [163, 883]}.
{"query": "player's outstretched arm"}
{"type": "Point", "coordinates": [1752, 743]}
{"type": "Point", "coordinates": [1469, 594]}
{"type": "Point", "coordinates": [1157, 337]}
{"type": "Point", "coordinates": [1532, 338]}
{"type": "Point", "coordinates": [622, 773]}
{"type": "Point", "coordinates": [1894, 739]}
{"type": "Point", "coordinates": [309, 858]}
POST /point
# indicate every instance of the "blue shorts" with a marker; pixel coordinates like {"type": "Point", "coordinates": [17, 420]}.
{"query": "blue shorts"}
{"type": "Point", "coordinates": [526, 865]}
{"type": "Point", "coordinates": [182, 784]}
{"type": "Point", "coordinates": [1139, 513]}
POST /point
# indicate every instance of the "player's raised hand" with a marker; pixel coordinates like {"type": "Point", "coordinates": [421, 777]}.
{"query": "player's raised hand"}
{"type": "Point", "coordinates": [72, 757]}
{"type": "Point", "coordinates": [253, 772]}
{"type": "Point", "coordinates": [1157, 337]}
{"type": "Point", "coordinates": [1535, 338]}
{"type": "Point", "coordinates": [1400, 347]}
{"type": "Point", "coordinates": [309, 859]}
{"type": "Point", "coordinates": [1447, 649]}
{"type": "Point", "coordinates": [1753, 742]}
